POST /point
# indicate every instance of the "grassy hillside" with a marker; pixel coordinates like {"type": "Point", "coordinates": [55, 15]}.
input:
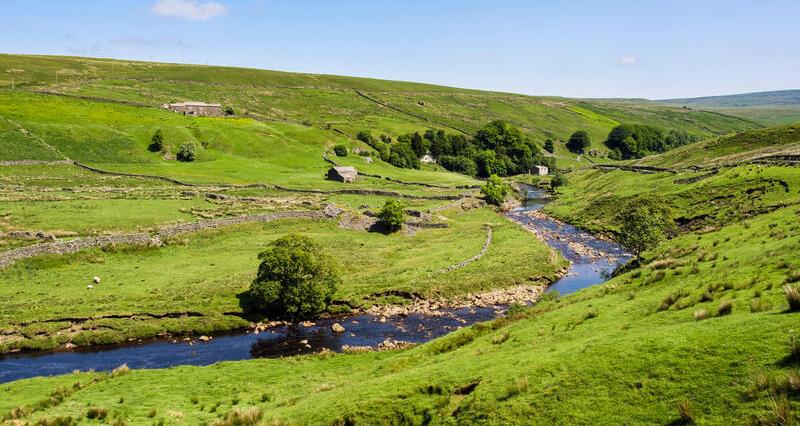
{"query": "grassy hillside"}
{"type": "Point", "coordinates": [775, 107]}
{"type": "Point", "coordinates": [346, 104]}
{"type": "Point", "coordinates": [734, 148]}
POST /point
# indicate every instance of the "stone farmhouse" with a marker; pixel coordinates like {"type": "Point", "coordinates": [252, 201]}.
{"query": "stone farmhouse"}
{"type": "Point", "coordinates": [195, 108]}
{"type": "Point", "coordinates": [343, 174]}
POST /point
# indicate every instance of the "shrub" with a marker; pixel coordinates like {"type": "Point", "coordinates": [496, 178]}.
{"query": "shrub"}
{"type": "Point", "coordinates": [701, 315]}
{"type": "Point", "coordinates": [495, 190]}
{"type": "Point", "coordinates": [340, 150]}
{"type": "Point", "coordinates": [792, 292]}
{"type": "Point", "coordinates": [725, 308]}
{"type": "Point", "coordinates": [96, 413]}
{"type": "Point", "coordinates": [392, 214]}
{"type": "Point", "coordinates": [591, 313]}
{"type": "Point", "coordinates": [186, 152]}
{"type": "Point", "coordinates": [558, 180]}
{"type": "Point", "coordinates": [295, 279]}
{"type": "Point", "coordinates": [156, 142]}
{"type": "Point", "coordinates": [229, 111]}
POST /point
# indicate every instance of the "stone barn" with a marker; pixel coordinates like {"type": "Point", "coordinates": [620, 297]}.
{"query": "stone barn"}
{"type": "Point", "coordinates": [195, 108]}
{"type": "Point", "coordinates": [540, 170]}
{"type": "Point", "coordinates": [343, 174]}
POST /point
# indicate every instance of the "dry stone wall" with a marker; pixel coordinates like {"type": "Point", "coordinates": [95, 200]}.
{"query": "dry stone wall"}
{"type": "Point", "coordinates": [146, 238]}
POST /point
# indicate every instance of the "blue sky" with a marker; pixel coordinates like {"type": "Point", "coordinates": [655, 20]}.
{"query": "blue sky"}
{"type": "Point", "coordinates": [653, 49]}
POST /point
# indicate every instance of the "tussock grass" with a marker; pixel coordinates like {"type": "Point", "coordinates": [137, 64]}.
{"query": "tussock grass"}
{"type": "Point", "coordinates": [56, 421]}
{"type": "Point", "coordinates": [701, 314]}
{"type": "Point", "coordinates": [792, 292]}
{"type": "Point", "coordinates": [725, 308]}
{"type": "Point", "coordinates": [241, 417]}
{"type": "Point", "coordinates": [96, 413]}
{"type": "Point", "coordinates": [685, 412]}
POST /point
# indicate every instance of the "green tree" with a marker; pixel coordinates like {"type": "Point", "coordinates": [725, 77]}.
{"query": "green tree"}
{"type": "Point", "coordinates": [393, 214]}
{"type": "Point", "coordinates": [156, 142]}
{"type": "Point", "coordinates": [229, 111]}
{"type": "Point", "coordinates": [186, 152]}
{"type": "Point", "coordinates": [340, 150]}
{"type": "Point", "coordinates": [578, 142]}
{"type": "Point", "coordinates": [418, 145]}
{"type": "Point", "coordinates": [549, 146]}
{"type": "Point", "coordinates": [495, 190]}
{"type": "Point", "coordinates": [295, 279]}
{"type": "Point", "coordinates": [644, 224]}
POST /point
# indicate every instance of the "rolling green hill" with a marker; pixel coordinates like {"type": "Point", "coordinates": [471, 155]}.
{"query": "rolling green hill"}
{"type": "Point", "coordinates": [770, 144]}
{"type": "Point", "coordinates": [774, 107]}
{"type": "Point", "coordinates": [335, 105]}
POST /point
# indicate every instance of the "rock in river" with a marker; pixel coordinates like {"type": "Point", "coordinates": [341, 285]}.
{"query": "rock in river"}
{"type": "Point", "coordinates": [337, 328]}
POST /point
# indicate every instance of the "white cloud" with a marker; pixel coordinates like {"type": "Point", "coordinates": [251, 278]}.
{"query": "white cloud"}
{"type": "Point", "coordinates": [628, 61]}
{"type": "Point", "coordinates": [189, 9]}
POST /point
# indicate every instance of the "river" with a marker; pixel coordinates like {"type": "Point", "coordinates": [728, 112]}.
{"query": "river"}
{"type": "Point", "coordinates": [361, 330]}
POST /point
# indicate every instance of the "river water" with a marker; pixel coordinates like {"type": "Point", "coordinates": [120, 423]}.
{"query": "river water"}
{"type": "Point", "coordinates": [361, 330]}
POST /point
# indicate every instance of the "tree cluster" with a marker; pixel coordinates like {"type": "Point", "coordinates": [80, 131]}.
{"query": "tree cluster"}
{"type": "Point", "coordinates": [399, 154]}
{"type": "Point", "coordinates": [497, 148]}
{"type": "Point", "coordinates": [628, 141]}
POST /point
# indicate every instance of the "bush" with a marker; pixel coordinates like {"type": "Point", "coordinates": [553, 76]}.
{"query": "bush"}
{"type": "Point", "coordinates": [295, 279]}
{"type": "Point", "coordinates": [228, 111]}
{"type": "Point", "coordinates": [156, 142]}
{"type": "Point", "coordinates": [578, 142]}
{"type": "Point", "coordinates": [792, 292]}
{"type": "Point", "coordinates": [701, 315]}
{"type": "Point", "coordinates": [186, 152]}
{"type": "Point", "coordinates": [340, 150]}
{"type": "Point", "coordinates": [558, 180]}
{"type": "Point", "coordinates": [392, 215]}
{"type": "Point", "coordinates": [495, 190]}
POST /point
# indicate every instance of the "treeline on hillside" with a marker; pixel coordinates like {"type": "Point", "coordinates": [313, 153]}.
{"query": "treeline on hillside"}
{"type": "Point", "coordinates": [628, 141]}
{"type": "Point", "coordinates": [496, 149]}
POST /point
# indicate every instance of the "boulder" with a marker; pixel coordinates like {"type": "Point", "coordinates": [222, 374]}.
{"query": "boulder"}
{"type": "Point", "coordinates": [337, 328]}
